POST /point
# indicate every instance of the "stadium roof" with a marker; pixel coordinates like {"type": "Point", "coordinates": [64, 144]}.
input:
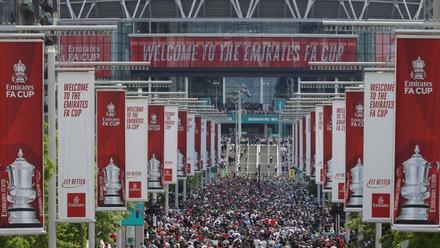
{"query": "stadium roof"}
{"type": "Point", "coordinates": [246, 9]}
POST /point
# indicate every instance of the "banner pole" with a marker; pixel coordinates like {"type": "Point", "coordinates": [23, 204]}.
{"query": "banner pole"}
{"type": "Point", "coordinates": [184, 190]}
{"type": "Point", "coordinates": [176, 196]}
{"type": "Point", "coordinates": [167, 199]}
{"type": "Point", "coordinates": [347, 229]}
{"type": "Point", "coordinates": [378, 235]}
{"type": "Point", "coordinates": [51, 51]}
{"type": "Point", "coordinates": [318, 193]}
{"type": "Point", "coordinates": [91, 234]}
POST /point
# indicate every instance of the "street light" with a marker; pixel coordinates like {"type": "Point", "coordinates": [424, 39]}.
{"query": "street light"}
{"type": "Point", "coordinates": [216, 84]}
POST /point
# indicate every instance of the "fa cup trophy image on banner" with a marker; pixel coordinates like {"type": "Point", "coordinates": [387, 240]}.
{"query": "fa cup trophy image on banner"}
{"type": "Point", "coordinates": [328, 175]}
{"type": "Point", "coordinates": [112, 184]}
{"type": "Point", "coordinates": [154, 173]}
{"type": "Point", "coordinates": [415, 189]}
{"type": "Point", "coordinates": [355, 187]}
{"type": "Point", "coordinates": [21, 192]}
{"type": "Point", "coordinates": [180, 164]}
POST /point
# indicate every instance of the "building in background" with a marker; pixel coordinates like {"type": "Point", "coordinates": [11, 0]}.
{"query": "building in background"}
{"type": "Point", "coordinates": [212, 47]}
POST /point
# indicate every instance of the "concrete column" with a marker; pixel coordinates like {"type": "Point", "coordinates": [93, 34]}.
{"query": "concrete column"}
{"type": "Point", "coordinates": [261, 90]}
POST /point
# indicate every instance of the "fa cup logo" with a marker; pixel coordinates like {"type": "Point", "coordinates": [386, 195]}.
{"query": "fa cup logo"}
{"type": "Point", "coordinates": [153, 119]}
{"type": "Point", "coordinates": [76, 200]}
{"type": "Point", "coordinates": [359, 111]}
{"type": "Point", "coordinates": [381, 201]}
{"type": "Point", "coordinates": [19, 73]}
{"type": "Point", "coordinates": [418, 72]}
{"type": "Point", "coordinates": [111, 110]}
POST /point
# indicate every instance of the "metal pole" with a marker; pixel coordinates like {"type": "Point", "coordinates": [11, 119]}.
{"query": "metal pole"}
{"type": "Point", "coordinates": [186, 87]}
{"type": "Point", "coordinates": [118, 238]}
{"type": "Point", "coordinates": [51, 89]}
{"type": "Point", "coordinates": [184, 190]}
{"type": "Point", "coordinates": [378, 235]}
{"type": "Point", "coordinates": [176, 196]}
{"type": "Point", "coordinates": [167, 199]}
{"type": "Point", "coordinates": [318, 193]}
{"type": "Point", "coordinates": [91, 234]}
{"type": "Point", "coordinates": [347, 229]}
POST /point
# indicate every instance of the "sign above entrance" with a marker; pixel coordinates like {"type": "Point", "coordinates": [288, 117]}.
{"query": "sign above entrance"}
{"type": "Point", "coordinates": [251, 51]}
{"type": "Point", "coordinates": [255, 119]}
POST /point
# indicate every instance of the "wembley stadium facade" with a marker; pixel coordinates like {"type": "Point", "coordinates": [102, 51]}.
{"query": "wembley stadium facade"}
{"type": "Point", "coordinates": [213, 47]}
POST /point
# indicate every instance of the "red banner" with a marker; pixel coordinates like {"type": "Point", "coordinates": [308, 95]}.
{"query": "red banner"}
{"type": "Point", "coordinates": [327, 142]}
{"type": "Point", "coordinates": [156, 146]}
{"type": "Point", "coordinates": [182, 166]}
{"type": "Point", "coordinates": [21, 134]}
{"type": "Point", "coordinates": [417, 146]}
{"type": "Point", "coordinates": [240, 52]}
{"type": "Point", "coordinates": [312, 144]}
{"type": "Point", "coordinates": [110, 114]}
{"type": "Point", "coordinates": [86, 48]}
{"type": "Point", "coordinates": [354, 149]}
{"type": "Point", "coordinates": [198, 139]}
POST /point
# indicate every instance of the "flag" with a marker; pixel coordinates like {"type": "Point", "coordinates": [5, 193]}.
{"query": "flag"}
{"type": "Point", "coordinates": [245, 90]}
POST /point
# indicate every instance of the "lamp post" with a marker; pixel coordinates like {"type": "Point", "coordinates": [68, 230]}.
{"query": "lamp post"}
{"type": "Point", "coordinates": [216, 84]}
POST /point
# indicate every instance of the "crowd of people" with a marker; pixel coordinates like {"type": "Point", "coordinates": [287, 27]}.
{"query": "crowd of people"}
{"type": "Point", "coordinates": [246, 212]}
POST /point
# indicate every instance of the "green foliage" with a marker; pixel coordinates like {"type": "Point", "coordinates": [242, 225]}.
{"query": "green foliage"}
{"type": "Point", "coordinates": [193, 182]}
{"type": "Point", "coordinates": [368, 231]}
{"type": "Point", "coordinates": [68, 235]}
{"type": "Point", "coordinates": [391, 239]}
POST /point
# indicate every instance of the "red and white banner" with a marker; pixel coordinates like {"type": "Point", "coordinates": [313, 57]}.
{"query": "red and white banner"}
{"type": "Point", "coordinates": [136, 149]}
{"type": "Point", "coordinates": [203, 143]}
{"type": "Point", "coordinates": [76, 145]}
{"type": "Point", "coordinates": [110, 125]}
{"type": "Point", "coordinates": [338, 150]}
{"type": "Point", "coordinates": [307, 144]}
{"type": "Point", "coordinates": [198, 143]}
{"type": "Point", "coordinates": [327, 148]}
{"type": "Point", "coordinates": [301, 143]}
{"type": "Point", "coordinates": [319, 143]}
{"type": "Point", "coordinates": [354, 150]}
{"type": "Point", "coordinates": [182, 143]}
{"type": "Point", "coordinates": [162, 146]}
{"type": "Point", "coordinates": [378, 145]}
{"type": "Point", "coordinates": [240, 51]}
{"type": "Point", "coordinates": [171, 116]}
{"type": "Point", "coordinates": [86, 48]}
{"type": "Point", "coordinates": [156, 116]}
{"type": "Point", "coordinates": [190, 146]}
{"type": "Point", "coordinates": [417, 136]}
{"type": "Point", "coordinates": [21, 137]}
{"type": "Point", "coordinates": [312, 145]}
